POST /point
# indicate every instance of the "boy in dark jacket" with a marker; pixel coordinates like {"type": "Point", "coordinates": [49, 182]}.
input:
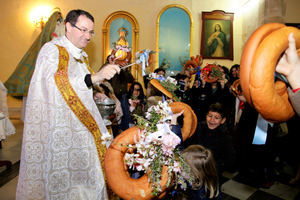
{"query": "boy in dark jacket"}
{"type": "Point", "coordinates": [212, 135]}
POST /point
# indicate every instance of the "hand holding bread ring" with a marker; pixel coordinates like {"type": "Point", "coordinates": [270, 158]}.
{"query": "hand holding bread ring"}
{"type": "Point", "coordinates": [261, 54]}
{"type": "Point", "coordinates": [289, 64]}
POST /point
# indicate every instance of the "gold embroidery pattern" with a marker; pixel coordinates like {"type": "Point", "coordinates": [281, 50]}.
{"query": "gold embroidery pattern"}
{"type": "Point", "coordinates": [64, 86]}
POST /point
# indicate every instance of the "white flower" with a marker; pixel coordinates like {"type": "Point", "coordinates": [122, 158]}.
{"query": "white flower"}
{"type": "Point", "coordinates": [156, 136]}
{"type": "Point", "coordinates": [148, 115]}
{"type": "Point", "coordinates": [153, 75]}
{"type": "Point", "coordinates": [158, 146]}
{"type": "Point", "coordinates": [147, 163]}
{"type": "Point", "coordinates": [129, 159]}
{"type": "Point", "coordinates": [139, 167]}
{"type": "Point", "coordinates": [140, 160]}
{"type": "Point", "coordinates": [176, 167]}
{"type": "Point", "coordinates": [106, 139]}
{"type": "Point", "coordinates": [172, 80]}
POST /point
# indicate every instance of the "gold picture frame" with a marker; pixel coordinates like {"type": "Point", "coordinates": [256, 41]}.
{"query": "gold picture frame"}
{"type": "Point", "coordinates": [134, 29]}
{"type": "Point", "coordinates": [217, 35]}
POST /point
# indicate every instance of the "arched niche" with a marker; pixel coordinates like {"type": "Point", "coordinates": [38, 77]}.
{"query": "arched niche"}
{"type": "Point", "coordinates": [110, 29]}
{"type": "Point", "coordinates": [174, 36]}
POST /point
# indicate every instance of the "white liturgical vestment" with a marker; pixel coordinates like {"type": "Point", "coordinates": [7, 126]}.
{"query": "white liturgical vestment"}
{"type": "Point", "coordinates": [59, 158]}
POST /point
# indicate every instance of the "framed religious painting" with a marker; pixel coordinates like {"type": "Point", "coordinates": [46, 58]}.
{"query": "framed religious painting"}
{"type": "Point", "coordinates": [217, 35]}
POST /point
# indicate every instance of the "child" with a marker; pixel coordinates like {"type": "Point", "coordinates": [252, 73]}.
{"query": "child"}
{"type": "Point", "coordinates": [213, 135]}
{"type": "Point", "coordinates": [205, 184]}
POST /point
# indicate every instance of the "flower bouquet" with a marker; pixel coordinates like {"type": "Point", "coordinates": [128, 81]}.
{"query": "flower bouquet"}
{"type": "Point", "coordinates": [155, 147]}
{"type": "Point", "coordinates": [212, 73]}
{"type": "Point", "coordinates": [149, 150]}
{"type": "Point", "coordinates": [166, 85]}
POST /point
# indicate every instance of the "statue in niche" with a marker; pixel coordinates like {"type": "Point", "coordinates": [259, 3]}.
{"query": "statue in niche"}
{"type": "Point", "coordinates": [121, 54]}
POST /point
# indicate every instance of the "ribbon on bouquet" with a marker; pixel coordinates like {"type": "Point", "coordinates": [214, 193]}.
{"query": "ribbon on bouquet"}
{"type": "Point", "coordinates": [141, 57]}
{"type": "Point", "coordinates": [159, 135]}
{"type": "Point", "coordinates": [144, 60]}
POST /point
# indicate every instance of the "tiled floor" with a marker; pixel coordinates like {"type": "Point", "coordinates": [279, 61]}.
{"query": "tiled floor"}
{"type": "Point", "coordinates": [233, 186]}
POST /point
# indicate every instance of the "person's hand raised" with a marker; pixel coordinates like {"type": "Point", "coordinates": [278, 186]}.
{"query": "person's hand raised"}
{"type": "Point", "coordinates": [175, 116]}
{"type": "Point", "coordinates": [106, 72]}
{"type": "Point", "coordinates": [289, 64]}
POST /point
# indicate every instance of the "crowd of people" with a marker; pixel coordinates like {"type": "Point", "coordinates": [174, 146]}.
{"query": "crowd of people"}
{"type": "Point", "coordinates": [226, 127]}
{"type": "Point", "coordinates": [61, 158]}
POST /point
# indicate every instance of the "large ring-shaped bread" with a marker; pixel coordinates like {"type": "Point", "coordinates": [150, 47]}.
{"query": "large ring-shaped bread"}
{"type": "Point", "coordinates": [189, 120]}
{"type": "Point", "coordinates": [266, 100]}
{"type": "Point", "coordinates": [248, 53]}
{"type": "Point", "coordinates": [116, 171]}
{"type": "Point", "coordinates": [191, 66]}
{"type": "Point", "coordinates": [161, 88]}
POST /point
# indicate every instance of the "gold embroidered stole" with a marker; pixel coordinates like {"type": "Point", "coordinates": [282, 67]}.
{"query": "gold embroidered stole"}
{"type": "Point", "coordinates": [64, 86]}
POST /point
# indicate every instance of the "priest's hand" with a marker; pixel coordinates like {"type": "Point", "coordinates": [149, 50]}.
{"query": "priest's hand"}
{"type": "Point", "coordinates": [106, 72]}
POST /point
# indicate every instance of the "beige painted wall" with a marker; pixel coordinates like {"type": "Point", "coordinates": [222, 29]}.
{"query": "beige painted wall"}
{"type": "Point", "coordinates": [292, 11]}
{"type": "Point", "coordinates": [17, 33]}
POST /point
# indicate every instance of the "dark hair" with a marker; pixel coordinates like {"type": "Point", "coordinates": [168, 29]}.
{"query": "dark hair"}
{"type": "Point", "coordinates": [226, 72]}
{"type": "Point", "coordinates": [180, 76]}
{"type": "Point", "coordinates": [73, 15]}
{"type": "Point", "coordinates": [217, 107]}
{"type": "Point", "coordinates": [159, 70]}
{"type": "Point", "coordinates": [236, 66]}
{"type": "Point", "coordinates": [106, 89]}
{"type": "Point", "coordinates": [141, 96]}
{"type": "Point", "coordinates": [225, 69]}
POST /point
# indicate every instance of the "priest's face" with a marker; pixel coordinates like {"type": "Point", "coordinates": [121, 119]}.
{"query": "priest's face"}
{"type": "Point", "coordinates": [81, 32]}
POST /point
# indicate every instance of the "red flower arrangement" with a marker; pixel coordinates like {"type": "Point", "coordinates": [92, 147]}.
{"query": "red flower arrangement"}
{"type": "Point", "coordinates": [212, 73]}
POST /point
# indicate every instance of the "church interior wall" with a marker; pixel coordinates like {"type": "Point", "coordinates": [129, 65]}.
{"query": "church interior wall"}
{"type": "Point", "coordinates": [17, 33]}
